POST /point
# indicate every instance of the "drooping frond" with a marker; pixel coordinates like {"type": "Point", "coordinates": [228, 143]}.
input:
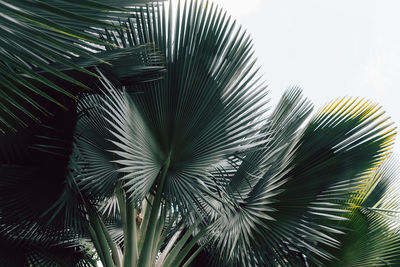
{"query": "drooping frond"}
{"type": "Point", "coordinates": [35, 34]}
{"type": "Point", "coordinates": [289, 214]}
{"type": "Point", "coordinates": [372, 232]}
{"type": "Point", "coordinates": [340, 146]}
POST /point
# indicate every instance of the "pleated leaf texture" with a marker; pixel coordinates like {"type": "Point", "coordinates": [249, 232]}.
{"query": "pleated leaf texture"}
{"type": "Point", "coordinates": [39, 41]}
{"type": "Point", "coordinates": [287, 201]}
{"type": "Point", "coordinates": [207, 107]}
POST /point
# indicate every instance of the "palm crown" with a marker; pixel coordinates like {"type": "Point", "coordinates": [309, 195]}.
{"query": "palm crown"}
{"type": "Point", "coordinates": [152, 168]}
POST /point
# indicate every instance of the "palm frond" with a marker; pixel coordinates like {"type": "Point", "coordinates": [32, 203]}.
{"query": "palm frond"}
{"type": "Point", "coordinates": [43, 256]}
{"type": "Point", "coordinates": [35, 34]}
{"type": "Point", "coordinates": [202, 111]}
{"type": "Point", "coordinates": [290, 208]}
{"type": "Point", "coordinates": [353, 138]}
{"type": "Point", "coordinates": [256, 181]}
{"type": "Point", "coordinates": [372, 231]}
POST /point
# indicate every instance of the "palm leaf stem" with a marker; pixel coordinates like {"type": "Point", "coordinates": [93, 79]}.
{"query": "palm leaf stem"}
{"type": "Point", "coordinates": [129, 227]}
{"type": "Point", "coordinates": [146, 208]}
{"type": "Point", "coordinates": [145, 255]}
{"type": "Point", "coordinates": [122, 207]}
{"type": "Point", "coordinates": [130, 250]}
{"type": "Point", "coordinates": [194, 255]}
{"type": "Point", "coordinates": [96, 243]}
{"type": "Point", "coordinates": [158, 234]}
{"type": "Point", "coordinates": [184, 252]}
{"type": "Point", "coordinates": [99, 235]}
{"type": "Point", "coordinates": [111, 243]}
{"type": "Point", "coordinates": [173, 254]}
{"type": "Point", "coordinates": [172, 241]}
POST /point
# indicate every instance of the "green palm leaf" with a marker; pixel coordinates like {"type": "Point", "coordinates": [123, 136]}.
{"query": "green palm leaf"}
{"type": "Point", "coordinates": [37, 33]}
{"type": "Point", "coordinates": [372, 236]}
{"type": "Point", "coordinates": [257, 179]}
{"type": "Point", "coordinates": [201, 112]}
{"type": "Point", "coordinates": [288, 210]}
{"type": "Point", "coordinates": [195, 146]}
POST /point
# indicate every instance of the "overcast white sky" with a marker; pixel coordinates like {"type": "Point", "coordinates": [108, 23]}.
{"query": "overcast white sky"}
{"type": "Point", "coordinates": [329, 48]}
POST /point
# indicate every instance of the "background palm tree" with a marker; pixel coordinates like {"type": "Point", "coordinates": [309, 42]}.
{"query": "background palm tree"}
{"type": "Point", "coordinates": [147, 171]}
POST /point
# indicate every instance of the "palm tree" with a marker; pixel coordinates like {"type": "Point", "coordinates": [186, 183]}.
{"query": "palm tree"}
{"type": "Point", "coordinates": [153, 171]}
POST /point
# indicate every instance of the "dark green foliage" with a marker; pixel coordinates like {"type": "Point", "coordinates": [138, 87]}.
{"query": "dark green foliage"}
{"type": "Point", "coordinates": [173, 150]}
{"type": "Point", "coordinates": [36, 34]}
{"type": "Point", "coordinates": [287, 202]}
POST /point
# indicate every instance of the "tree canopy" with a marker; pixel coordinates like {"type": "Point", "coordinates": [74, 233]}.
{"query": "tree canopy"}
{"type": "Point", "coordinates": [135, 136]}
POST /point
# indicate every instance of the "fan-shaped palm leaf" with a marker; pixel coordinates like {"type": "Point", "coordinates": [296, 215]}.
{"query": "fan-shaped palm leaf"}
{"type": "Point", "coordinates": [37, 33]}
{"type": "Point", "coordinates": [289, 207]}
{"type": "Point", "coordinates": [197, 147]}
{"type": "Point", "coordinates": [198, 114]}
{"type": "Point", "coordinates": [169, 134]}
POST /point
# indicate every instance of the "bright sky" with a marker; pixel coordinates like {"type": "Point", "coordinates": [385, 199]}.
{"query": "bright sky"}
{"type": "Point", "coordinates": [329, 48]}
